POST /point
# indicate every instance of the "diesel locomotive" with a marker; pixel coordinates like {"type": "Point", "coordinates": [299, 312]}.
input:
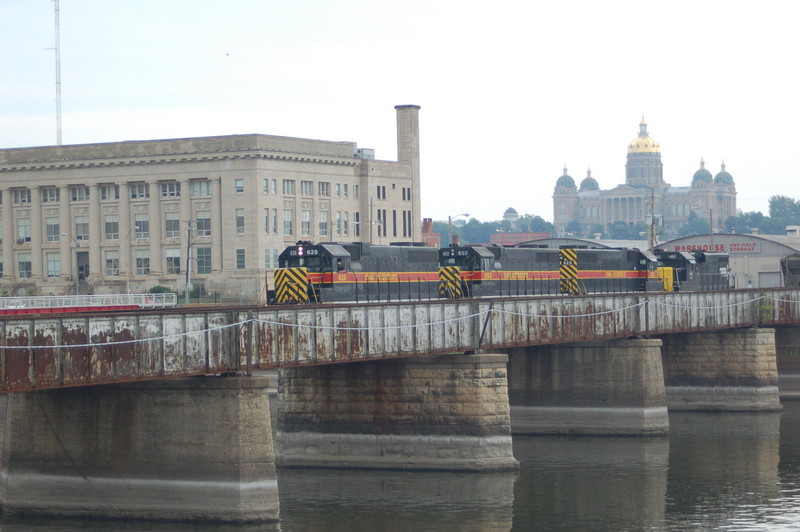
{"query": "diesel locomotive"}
{"type": "Point", "coordinates": [337, 271]}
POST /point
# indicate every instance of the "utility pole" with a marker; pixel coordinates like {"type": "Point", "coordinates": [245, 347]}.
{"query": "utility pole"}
{"type": "Point", "coordinates": [651, 226]}
{"type": "Point", "coordinates": [188, 288]}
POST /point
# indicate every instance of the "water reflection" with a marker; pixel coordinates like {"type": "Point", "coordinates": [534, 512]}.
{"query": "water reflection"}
{"type": "Point", "coordinates": [387, 501]}
{"type": "Point", "coordinates": [720, 463]}
{"type": "Point", "coordinates": [590, 483]}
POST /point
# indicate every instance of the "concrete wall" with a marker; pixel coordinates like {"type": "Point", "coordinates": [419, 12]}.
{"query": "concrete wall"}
{"type": "Point", "coordinates": [187, 449]}
{"type": "Point", "coordinates": [722, 370]}
{"type": "Point", "coordinates": [447, 412]}
{"type": "Point", "coordinates": [612, 387]}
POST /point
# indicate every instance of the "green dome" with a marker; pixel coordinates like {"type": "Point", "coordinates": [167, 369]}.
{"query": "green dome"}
{"type": "Point", "coordinates": [723, 177]}
{"type": "Point", "coordinates": [702, 175]}
{"type": "Point", "coordinates": [589, 183]}
{"type": "Point", "coordinates": [565, 180]}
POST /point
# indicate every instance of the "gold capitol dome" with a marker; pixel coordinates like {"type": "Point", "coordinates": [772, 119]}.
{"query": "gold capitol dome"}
{"type": "Point", "coordinates": [643, 143]}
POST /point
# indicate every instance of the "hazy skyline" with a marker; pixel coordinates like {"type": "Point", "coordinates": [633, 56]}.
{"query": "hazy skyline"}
{"type": "Point", "coordinates": [510, 92]}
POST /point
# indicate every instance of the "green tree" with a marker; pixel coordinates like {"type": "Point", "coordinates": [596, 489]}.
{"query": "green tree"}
{"type": "Point", "coordinates": [785, 208]}
{"type": "Point", "coordinates": [574, 228]}
{"type": "Point", "coordinates": [694, 226]}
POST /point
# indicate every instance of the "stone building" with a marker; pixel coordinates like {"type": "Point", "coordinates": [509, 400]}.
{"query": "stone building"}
{"type": "Point", "coordinates": [211, 212]}
{"type": "Point", "coordinates": [644, 193]}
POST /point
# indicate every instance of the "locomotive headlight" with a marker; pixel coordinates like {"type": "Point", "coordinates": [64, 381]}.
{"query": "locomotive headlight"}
{"type": "Point", "coordinates": [299, 251]}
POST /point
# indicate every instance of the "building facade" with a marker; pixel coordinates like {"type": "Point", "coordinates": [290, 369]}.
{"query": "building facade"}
{"type": "Point", "coordinates": [644, 194]}
{"type": "Point", "coordinates": [213, 213]}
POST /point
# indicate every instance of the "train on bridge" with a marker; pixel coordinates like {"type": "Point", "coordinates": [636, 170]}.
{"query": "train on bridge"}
{"type": "Point", "coordinates": [357, 271]}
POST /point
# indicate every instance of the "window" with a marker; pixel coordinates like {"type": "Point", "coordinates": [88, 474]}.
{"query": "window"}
{"type": "Point", "coordinates": [275, 221]}
{"type": "Point", "coordinates": [171, 189]}
{"type": "Point", "coordinates": [81, 228]}
{"type": "Point", "coordinates": [142, 262]}
{"type": "Point", "coordinates": [21, 196]}
{"type": "Point", "coordinates": [338, 190]}
{"type": "Point", "coordinates": [239, 221]}
{"type": "Point", "coordinates": [266, 220]}
{"type": "Point", "coordinates": [24, 265]}
{"type": "Point", "coordinates": [270, 186]}
{"type": "Point", "coordinates": [240, 259]}
{"type": "Point", "coordinates": [239, 184]}
{"type": "Point", "coordinates": [203, 260]}
{"type": "Point", "coordinates": [338, 222]}
{"type": "Point", "coordinates": [140, 191]}
{"type": "Point", "coordinates": [203, 223]}
{"type": "Point", "coordinates": [111, 261]}
{"type": "Point", "coordinates": [323, 223]}
{"type": "Point", "coordinates": [356, 192]}
{"type": "Point", "coordinates": [172, 225]}
{"type": "Point", "coordinates": [201, 188]}
{"type": "Point", "coordinates": [53, 261]}
{"type": "Point", "coordinates": [51, 195]}
{"type": "Point", "coordinates": [345, 223]}
{"type": "Point", "coordinates": [288, 187]}
{"type": "Point", "coordinates": [80, 193]}
{"type": "Point", "coordinates": [305, 223]}
{"type": "Point", "coordinates": [324, 189]}
{"type": "Point", "coordinates": [53, 229]}
{"type": "Point", "coordinates": [344, 190]}
{"type": "Point", "coordinates": [112, 226]}
{"type": "Point", "coordinates": [173, 261]}
{"type": "Point", "coordinates": [288, 221]}
{"type": "Point", "coordinates": [307, 188]}
{"type": "Point", "coordinates": [357, 223]}
{"type": "Point", "coordinates": [141, 226]}
{"type": "Point", "coordinates": [23, 230]}
{"type": "Point", "coordinates": [109, 192]}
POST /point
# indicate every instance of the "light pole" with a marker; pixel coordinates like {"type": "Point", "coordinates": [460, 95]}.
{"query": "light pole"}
{"type": "Point", "coordinates": [450, 227]}
{"type": "Point", "coordinates": [188, 261]}
{"type": "Point", "coordinates": [129, 265]}
{"type": "Point", "coordinates": [75, 271]}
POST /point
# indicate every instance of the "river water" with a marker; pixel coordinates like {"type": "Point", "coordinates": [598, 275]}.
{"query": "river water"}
{"type": "Point", "coordinates": [714, 471]}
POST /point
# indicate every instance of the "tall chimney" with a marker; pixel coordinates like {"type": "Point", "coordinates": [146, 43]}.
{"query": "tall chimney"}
{"type": "Point", "coordinates": [408, 153]}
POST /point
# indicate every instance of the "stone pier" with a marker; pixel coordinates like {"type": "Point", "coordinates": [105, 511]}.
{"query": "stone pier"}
{"type": "Point", "coordinates": [185, 449]}
{"type": "Point", "coordinates": [447, 412]}
{"type": "Point", "coordinates": [594, 388]}
{"type": "Point", "coordinates": [722, 370]}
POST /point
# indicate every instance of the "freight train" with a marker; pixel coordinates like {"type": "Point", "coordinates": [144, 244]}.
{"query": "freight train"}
{"type": "Point", "coordinates": [357, 271]}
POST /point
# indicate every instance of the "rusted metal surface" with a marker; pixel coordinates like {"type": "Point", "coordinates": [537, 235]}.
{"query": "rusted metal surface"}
{"type": "Point", "coordinates": [55, 351]}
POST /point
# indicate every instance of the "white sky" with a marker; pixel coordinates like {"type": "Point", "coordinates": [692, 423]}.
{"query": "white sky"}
{"type": "Point", "coordinates": [510, 91]}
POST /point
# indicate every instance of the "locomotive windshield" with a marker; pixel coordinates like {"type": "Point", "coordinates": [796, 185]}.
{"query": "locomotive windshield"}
{"type": "Point", "coordinates": [311, 257]}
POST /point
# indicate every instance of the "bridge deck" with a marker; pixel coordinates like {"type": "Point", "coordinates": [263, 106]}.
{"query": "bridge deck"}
{"type": "Point", "coordinates": [63, 350]}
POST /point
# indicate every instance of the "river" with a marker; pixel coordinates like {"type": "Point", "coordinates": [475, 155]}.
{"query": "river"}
{"type": "Point", "coordinates": [714, 471]}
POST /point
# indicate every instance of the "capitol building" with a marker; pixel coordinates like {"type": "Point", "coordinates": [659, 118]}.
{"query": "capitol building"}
{"type": "Point", "coordinates": [643, 194]}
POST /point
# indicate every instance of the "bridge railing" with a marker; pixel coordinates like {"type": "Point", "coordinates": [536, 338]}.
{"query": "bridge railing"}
{"type": "Point", "coordinates": [58, 350]}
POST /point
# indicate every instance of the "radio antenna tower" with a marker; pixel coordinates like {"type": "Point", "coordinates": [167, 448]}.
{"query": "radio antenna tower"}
{"type": "Point", "coordinates": [58, 73]}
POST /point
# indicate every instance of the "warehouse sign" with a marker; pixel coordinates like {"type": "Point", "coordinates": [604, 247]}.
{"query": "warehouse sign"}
{"type": "Point", "coordinates": [721, 247]}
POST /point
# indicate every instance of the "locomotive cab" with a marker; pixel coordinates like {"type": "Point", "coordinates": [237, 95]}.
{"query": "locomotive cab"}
{"type": "Point", "coordinates": [319, 258]}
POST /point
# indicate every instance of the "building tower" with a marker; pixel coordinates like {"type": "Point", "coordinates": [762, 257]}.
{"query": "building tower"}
{"type": "Point", "coordinates": [644, 160]}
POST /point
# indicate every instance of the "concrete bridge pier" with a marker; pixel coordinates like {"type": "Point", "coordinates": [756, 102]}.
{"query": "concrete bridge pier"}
{"type": "Point", "coordinates": [733, 370]}
{"type": "Point", "coordinates": [189, 449]}
{"type": "Point", "coordinates": [593, 388]}
{"type": "Point", "coordinates": [447, 412]}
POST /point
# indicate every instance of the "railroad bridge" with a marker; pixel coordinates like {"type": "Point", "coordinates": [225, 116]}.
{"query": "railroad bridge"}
{"type": "Point", "coordinates": [163, 414]}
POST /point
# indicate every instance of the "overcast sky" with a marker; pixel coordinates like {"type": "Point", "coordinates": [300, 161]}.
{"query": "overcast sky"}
{"type": "Point", "coordinates": [510, 91]}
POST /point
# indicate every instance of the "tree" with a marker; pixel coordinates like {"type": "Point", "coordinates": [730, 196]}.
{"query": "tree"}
{"type": "Point", "coordinates": [785, 208]}
{"type": "Point", "coordinates": [694, 226]}
{"type": "Point", "coordinates": [574, 228]}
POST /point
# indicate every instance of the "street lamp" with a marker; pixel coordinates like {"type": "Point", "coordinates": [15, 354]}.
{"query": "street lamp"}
{"type": "Point", "coordinates": [129, 265]}
{"type": "Point", "coordinates": [188, 263]}
{"type": "Point", "coordinates": [450, 227]}
{"type": "Point", "coordinates": [75, 271]}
